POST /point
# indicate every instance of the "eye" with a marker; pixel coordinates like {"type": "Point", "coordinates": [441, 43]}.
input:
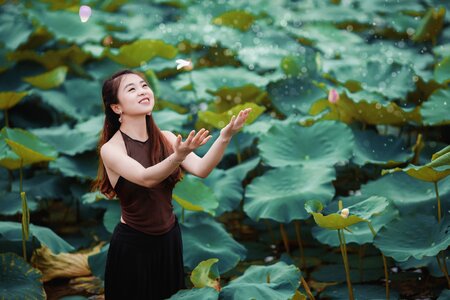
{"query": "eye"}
{"type": "Point", "coordinates": [145, 85]}
{"type": "Point", "coordinates": [131, 89]}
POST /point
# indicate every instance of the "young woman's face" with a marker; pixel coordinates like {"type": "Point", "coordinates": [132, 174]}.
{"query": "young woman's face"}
{"type": "Point", "coordinates": [135, 96]}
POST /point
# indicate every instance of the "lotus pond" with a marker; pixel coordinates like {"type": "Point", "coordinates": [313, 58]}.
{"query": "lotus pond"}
{"type": "Point", "coordinates": [337, 187]}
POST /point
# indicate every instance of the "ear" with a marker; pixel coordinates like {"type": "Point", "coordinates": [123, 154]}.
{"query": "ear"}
{"type": "Point", "coordinates": [116, 108]}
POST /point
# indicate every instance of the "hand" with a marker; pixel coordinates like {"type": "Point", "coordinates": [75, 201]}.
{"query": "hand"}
{"type": "Point", "coordinates": [235, 124]}
{"type": "Point", "coordinates": [182, 149]}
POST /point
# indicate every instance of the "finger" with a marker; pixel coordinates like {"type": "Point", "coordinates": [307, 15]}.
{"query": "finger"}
{"type": "Point", "coordinates": [190, 136]}
{"type": "Point", "coordinates": [204, 135]}
{"type": "Point", "coordinates": [178, 141]}
{"type": "Point", "coordinates": [198, 135]}
{"type": "Point", "coordinates": [205, 140]}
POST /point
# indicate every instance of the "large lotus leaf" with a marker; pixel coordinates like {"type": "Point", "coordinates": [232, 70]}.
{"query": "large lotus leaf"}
{"type": "Point", "coordinates": [52, 58]}
{"type": "Point", "coordinates": [432, 172]}
{"type": "Point", "coordinates": [237, 19]}
{"type": "Point", "coordinates": [440, 152]}
{"type": "Point", "coordinates": [67, 26]}
{"type": "Point", "coordinates": [324, 144]}
{"type": "Point", "coordinates": [445, 294]}
{"type": "Point", "coordinates": [227, 98]}
{"type": "Point", "coordinates": [209, 80]}
{"type": "Point", "coordinates": [220, 120]}
{"type": "Point", "coordinates": [294, 95]}
{"type": "Point", "coordinates": [277, 281]}
{"type": "Point", "coordinates": [27, 146]}
{"type": "Point", "coordinates": [442, 71]}
{"type": "Point", "coordinates": [205, 293]}
{"type": "Point", "coordinates": [426, 262]}
{"type": "Point", "coordinates": [430, 25]}
{"type": "Point", "coordinates": [407, 193]}
{"type": "Point", "coordinates": [112, 215]}
{"type": "Point", "coordinates": [300, 66]}
{"type": "Point", "coordinates": [227, 184]}
{"type": "Point", "coordinates": [19, 280]}
{"type": "Point", "coordinates": [141, 51]}
{"type": "Point", "coordinates": [371, 147]}
{"type": "Point", "coordinates": [83, 166]}
{"type": "Point", "coordinates": [169, 120]}
{"type": "Point", "coordinates": [206, 274]}
{"type": "Point", "coordinates": [8, 158]}
{"type": "Point", "coordinates": [324, 12]}
{"type": "Point", "coordinates": [332, 221]}
{"type": "Point", "coordinates": [97, 262]}
{"type": "Point", "coordinates": [10, 99]}
{"type": "Point", "coordinates": [359, 233]}
{"type": "Point", "coordinates": [209, 239]}
{"type": "Point", "coordinates": [14, 27]}
{"type": "Point", "coordinates": [442, 51]}
{"type": "Point", "coordinates": [413, 236]}
{"type": "Point", "coordinates": [366, 107]}
{"type": "Point", "coordinates": [12, 232]}
{"type": "Point", "coordinates": [360, 292]}
{"type": "Point", "coordinates": [83, 137]}
{"type": "Point", "coordinates": [78, 98]}
{"type": "Point", "coordinates": [327, 38]}
{"type": "Point", "coordinates": [11, 204]}
{"type": "Point", "coordinates": [192, 194]}
{"type": "Point", "coordinates": [48, 80]}
{"type": "Point", "coordinates": [280, 194]}
{"type": "Point", "coordinates": [436, 110]}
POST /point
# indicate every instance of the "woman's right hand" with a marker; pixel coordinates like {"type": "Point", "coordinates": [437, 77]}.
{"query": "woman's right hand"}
{"type": "Point", "coordinates": [182, 149]}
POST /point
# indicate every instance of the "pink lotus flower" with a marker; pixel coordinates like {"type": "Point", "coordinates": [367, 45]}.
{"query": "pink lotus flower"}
{"type": "Point", "coordinates": [85, 13]}
{"type": "Point", "coordinates": [184, 64]}
{"type": "Point", "coordinates": [333, 96]}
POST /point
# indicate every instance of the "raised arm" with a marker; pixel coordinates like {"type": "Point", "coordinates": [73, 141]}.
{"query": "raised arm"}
{"type": "Point", "coordinates": [119, 162]}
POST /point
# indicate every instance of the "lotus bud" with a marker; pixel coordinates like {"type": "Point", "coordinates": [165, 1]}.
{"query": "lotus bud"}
{"type": "Point", "coordinates": [184, 64]}
{"type": "Point", "coordinates": [84, 13]}
{"type": "Point", "coordinates": [333, 96]}
{"type": "Point", "coordinates": [345, 212]}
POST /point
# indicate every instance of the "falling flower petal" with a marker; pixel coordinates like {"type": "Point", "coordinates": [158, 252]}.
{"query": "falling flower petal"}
{"type": "Point", "coordinates": [345, 212]}
{"type": "Point", "coordinates": [333, 96]}
{"type": "Point", "coordinates": [85, 13]}
{"type": "Point", "coordinates": [184, 64]}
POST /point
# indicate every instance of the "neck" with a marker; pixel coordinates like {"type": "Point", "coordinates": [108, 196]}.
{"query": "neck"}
{"type": "Point", "coordinates": [135, 127]}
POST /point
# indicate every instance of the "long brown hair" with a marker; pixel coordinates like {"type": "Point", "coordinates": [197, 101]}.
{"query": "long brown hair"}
{"type": "Point", "coordinates": [160, 146]}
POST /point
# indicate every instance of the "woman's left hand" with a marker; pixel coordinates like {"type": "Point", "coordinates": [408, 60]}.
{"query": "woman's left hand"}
{"type": "Point", "coordinates": [235, 124]}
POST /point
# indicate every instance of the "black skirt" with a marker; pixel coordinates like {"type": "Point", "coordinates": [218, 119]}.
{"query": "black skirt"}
{"type": "Point", "coordinates": [143, 266]}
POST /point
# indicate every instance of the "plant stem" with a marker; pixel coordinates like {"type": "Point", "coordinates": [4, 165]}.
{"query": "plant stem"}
{"type": "Point", "coordinates": [6, 118]}
{"type": "Point", "coordinates": [361, 251]}
{"type": "Point", "coordinates": [238, 154]}
{"type": "Point", "coordinates": [386, 275]}
{"type": "Point", "coordinates": [345, 259]}
{"type": "Point", "coordinates": [269, 227]}
{"type": "Point", "coordinates": [182, 215]}
{"type": "Point", "coordinates": [438, 201]}
{"type": "Point", "coordinates": [285, 238]}
{"type": "Point", "coordinates": [300, 244]}
{"type": "Point", "coordinates": [308, 291]}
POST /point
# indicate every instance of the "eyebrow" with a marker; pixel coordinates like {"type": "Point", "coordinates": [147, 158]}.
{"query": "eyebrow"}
{"type": "Point", "coordinates": [142, 81]}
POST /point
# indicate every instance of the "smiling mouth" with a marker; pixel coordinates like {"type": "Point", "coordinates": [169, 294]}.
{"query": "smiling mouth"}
{"type": "Point", "coordinates": [144, 100]}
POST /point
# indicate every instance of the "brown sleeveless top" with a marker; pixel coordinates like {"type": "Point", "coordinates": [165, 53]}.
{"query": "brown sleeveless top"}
{"type": "Point", "coordinates": [149, 210]}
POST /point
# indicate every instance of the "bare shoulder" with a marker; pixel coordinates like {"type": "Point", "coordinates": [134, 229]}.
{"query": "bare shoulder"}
{"type": "Point", "coordinates": [112, 146]}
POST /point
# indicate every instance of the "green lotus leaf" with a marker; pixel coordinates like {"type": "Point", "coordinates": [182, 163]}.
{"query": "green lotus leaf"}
{"type": "Point", "coordinates": [78, 98]}
{"type": "Point", "coordinates": [220, 120]}
{"type": "Point", "coordinates": [294, 95]}
{"type": "Point", "coordinates": [431, 172]}
{"type": "Point", "coordinates": [52, 59]}
{"type": "Point", "coordinates": [333, 220]}
{"type": "Point", "coordinates": [277, 281]}
{"type": "Point", "coordinates": [360, 292]}
{"type": "Point", "coordinates": [48, 80]}
{"type": "Point", "coordinates": [428, 262]}
{"type": "Point", "coordinates": [325, 144]}
{"type": "Point", "coordinates": [227, 184]}
{"type": "Point", "coordinates": [92, 197]}
{"type": "Point", "coordinates": [10, 99]}
{"type": "Point", "coordinates": [15, 29]}
{"type": "Point", "coordinates": [442, 71]}
{"type": "Point", "coordinates": [371, 147]}
{"type": "Point", "coordinates": [208, 239]}
{"type": "Point", "coordinates": [83, 166]}
{"type": "Point", "coordinates": [442, 51]}
{"type": "Point", "coordinates": [97, 262]}
{"type": "Point", "coordinates": [83, 137]}
{"type": "Point", "coordinates": [436, 110]}
{"type": "Point", "coordinates": [360, 233]}
{"type": "Point", "coordinates": [323, 12]}
{"type": "Point", "coordinates": [365, 107]}
{"type": "Point", "coordinates": [206, 274]}
{"type": "Point", "coordinates": [208, 80]}
{"type": "Point", "coordinates": [237, 19]}
{"type": "Point", "coordinates": [12, 232]}
{"type": "Point", "coordinates": [192, 194]}
{"type": "Point", "coordinates": [206, 293]}
{"type": "Point", "coordinates": [430, 25]}
{"type": "Point", "coordinates": [440, 152]}
{"type": "Point", "coordinates": [300, 65]}
{"type": "Point", "coordinates": [19, 280]}
{"type": "Point", "coordinates": [445, 294]}
{"type": "Point", "coordinates": [66, 25]}
{"type": "Point", "coordinates": [408, 194]}
{"type": "Point", "coordinates": [141, 51]}
{"type": "Point", "coordinates": [280, 194]}
{"type": "Point", "coordinates": [10, 204]}
{"type": "Point", "coordinates": [8, 158]}
{"type": "Point", "coordinates": [27, 146]}
{"type": "Point", "coordinates": [112, 215]}
{"type": "Point", "coordinates": [413, 236]}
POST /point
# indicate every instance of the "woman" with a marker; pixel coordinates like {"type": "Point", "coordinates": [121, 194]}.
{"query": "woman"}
{"type": "Point", "coordinates": [140, 164]}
